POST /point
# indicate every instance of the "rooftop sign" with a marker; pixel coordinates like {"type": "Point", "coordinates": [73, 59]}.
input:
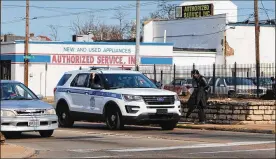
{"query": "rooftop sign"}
{"type": "Point", "coordinates": [194, 11]}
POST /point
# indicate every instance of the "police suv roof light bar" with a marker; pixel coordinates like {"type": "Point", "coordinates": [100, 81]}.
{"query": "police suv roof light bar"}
{"type": "Point", "coordinates": [104, 68]}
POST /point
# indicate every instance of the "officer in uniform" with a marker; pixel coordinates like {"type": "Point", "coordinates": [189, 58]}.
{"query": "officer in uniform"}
{"type": "Point", "coordinates": [199, 97]}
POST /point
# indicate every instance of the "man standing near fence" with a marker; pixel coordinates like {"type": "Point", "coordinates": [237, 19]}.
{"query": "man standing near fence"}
{"type": "Point", "coordinates": [199, 97]}
{"type": "Point", "coordinates": [273, 86]}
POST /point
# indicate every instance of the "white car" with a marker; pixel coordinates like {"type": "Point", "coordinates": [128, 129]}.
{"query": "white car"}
{"type": "Point", "coordinates": [244, 87]}
{"type": "Point", "coordinates": [117, 97]}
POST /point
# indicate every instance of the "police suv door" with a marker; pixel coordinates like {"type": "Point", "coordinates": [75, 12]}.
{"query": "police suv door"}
{"type": "Point", "coordinates": [95, 97]}
{"type": "Point", "coordinates": [78, 92]}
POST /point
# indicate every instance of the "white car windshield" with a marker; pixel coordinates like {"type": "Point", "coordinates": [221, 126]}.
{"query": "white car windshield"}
{"type": "Point", "coordinates": [16, 91]}
{"type": "Point", "coordinates": [128, 81]}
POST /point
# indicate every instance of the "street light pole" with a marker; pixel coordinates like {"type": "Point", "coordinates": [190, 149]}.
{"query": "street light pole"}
{"type": "Point", "coordinates": [26, 48]}
{"type": "Point", "coordinates": [257, 44]}
{"type": "Point", "coordinates": [137, 47]}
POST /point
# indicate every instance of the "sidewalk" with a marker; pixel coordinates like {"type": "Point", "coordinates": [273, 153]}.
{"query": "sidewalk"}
{"type": "Point", "coordinates": [252, 128]}
{"type": "Point", "coordinates": [15, 151]}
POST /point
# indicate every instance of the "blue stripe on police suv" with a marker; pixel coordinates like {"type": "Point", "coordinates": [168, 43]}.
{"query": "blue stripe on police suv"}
{"type": "Point", "coordinates": [95, 93]}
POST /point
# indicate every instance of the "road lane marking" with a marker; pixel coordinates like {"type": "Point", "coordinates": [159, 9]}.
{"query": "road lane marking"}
{"type": "Point", "coordinates": [234, 151]}
{"type": "Point", "coordinates": [193, 146]}
{"type": "Point", "coordinates": [105, 156]}
{"type": "Point", "coordinates": [82, 150]}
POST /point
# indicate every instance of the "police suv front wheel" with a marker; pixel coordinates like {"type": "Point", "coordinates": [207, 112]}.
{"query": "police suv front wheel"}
{"type": "Point", "coordinates": [170, 125]}
{"type": "Point", "coordinates": [113, 119]}
{"type": "Point", "coordinates": [64, 117]}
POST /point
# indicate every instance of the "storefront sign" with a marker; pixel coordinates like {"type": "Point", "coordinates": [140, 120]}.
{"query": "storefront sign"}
{"type": "Point", "coordinates": [93, 59]}
{"type": "Point", "coordinates": [194, 11]}
{"type": "Point", "coordinates": [101, 49]}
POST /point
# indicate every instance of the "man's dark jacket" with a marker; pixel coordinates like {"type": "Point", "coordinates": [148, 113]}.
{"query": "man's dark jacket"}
{"type": "Point", "coordinates": [200, 94]}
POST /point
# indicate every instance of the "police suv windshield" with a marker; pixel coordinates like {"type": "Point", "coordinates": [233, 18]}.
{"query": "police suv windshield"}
{"type": "Point", "coordinates": [115, 81]}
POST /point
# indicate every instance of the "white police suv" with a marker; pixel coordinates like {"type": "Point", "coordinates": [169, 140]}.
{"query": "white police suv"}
{"type": "Point", "coordinates": [117, 97]}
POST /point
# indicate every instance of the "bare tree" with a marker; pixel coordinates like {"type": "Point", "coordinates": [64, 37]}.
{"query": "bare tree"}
{"type": "Point", "coordinates": [165, 10]}
{"type": "Point", "coordinates": [80, 28]}
{"type": "Point", "coordinates": [100, 30]}
{"type": "Point", "coordinates": [120, 15]}
{"type": "Point", "coordinates": [124, 26]}
{"type": "Point", "coordinates": [54, 32]}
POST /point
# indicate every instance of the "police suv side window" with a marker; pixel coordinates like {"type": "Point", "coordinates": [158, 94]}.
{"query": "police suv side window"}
{"type": "Point", "coordinates": [64, 79]}
{"type": "Point", "coordinates": [81, 80]}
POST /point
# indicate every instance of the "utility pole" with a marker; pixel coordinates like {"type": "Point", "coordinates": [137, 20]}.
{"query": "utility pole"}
{"type": "Point", "coordinates": [257, 43]}
{"type": "Point", "coordinates": [26, 49]}
{"type": "Point", "coordinates": [137, 47]}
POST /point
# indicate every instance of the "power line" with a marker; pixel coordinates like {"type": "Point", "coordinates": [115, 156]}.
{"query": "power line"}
{"type": "Point", "coordinates": [59, 10]}
{"type": "Point", "coordinates": [78, 13]}
{"type": "Point", "coordinates": [15, 6]}
{"type": "Point", "coordinates": [211, 17]}
{"type": "Point", "coordinates": [19, 6]}
{"type": "Point", "coordinates": [265, 9]}
{"type": "Point", "coordinates": [211, 33]}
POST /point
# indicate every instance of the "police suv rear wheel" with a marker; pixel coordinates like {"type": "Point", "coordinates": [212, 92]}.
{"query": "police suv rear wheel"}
{"type": "Point", "coordinates": [114, 119]}
{"type": "Point", "coordinates": [168, 125]}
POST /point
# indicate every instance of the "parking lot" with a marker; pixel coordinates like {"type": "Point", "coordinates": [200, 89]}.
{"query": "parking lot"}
{"type": "Point", "coordinates": [93, 140]}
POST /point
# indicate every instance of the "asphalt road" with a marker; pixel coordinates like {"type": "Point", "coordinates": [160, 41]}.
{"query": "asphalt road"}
{"type": "Point", "coordinates": [90, 140]}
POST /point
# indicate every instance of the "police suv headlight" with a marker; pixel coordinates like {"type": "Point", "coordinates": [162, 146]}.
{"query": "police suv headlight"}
{"type": "Point", "coordinates": [176, 98]}
{"type": "Point", "coordinates": [50, 112]}
{"type": "Point", "coordinates": [7, 113]}
{"type": "Point", "coordinates": [130, 98]}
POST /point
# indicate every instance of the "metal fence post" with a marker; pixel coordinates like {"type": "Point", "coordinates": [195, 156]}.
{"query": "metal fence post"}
{"type": "Point", "coordinates": [174, 70]}
{"type": "Point", "coordinates": [154, 72]}
{"type": "Point", "coordinates": [235, 77]}
{"type": "Point", "coordinates": [258, 79]}
{"type": "Point", "coordinates": [214, 78]}
{"type": "Point", "coordinates": [161, 78]}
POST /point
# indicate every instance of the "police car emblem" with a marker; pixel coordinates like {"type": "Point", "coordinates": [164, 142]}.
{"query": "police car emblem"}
{"type": "Point", "coordinates": [92, 102]}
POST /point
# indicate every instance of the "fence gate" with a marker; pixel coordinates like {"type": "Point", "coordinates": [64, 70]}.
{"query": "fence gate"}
{"type": "Point", "coordinates": [5, 70]}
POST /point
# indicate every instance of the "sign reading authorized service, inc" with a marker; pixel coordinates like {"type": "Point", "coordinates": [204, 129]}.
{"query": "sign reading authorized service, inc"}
{"type": "Point", "coordinates": [194, 11]}
{"type": "Point", "coordinates": [95, 55]}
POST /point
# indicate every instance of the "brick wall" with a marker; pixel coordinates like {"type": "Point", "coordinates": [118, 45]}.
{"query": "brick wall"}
{"type": "Point", "coordinates": [235, 112]}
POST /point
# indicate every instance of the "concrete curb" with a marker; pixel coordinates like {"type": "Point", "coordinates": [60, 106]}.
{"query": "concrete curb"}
{"type": "Point", "coordinates": [226, 129]}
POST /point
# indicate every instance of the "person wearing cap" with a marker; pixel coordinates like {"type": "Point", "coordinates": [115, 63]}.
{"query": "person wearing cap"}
{"type": "Point", "coordinates": [199, 97]}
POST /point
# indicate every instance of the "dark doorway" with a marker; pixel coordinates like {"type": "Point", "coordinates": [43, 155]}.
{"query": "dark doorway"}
{"type": "Point", "coordinates": [5, 71]}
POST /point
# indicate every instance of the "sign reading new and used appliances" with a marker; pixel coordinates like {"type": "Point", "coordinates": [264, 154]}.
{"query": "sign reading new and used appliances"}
{"type": "Point", "coordinates": [194, 11]}
{"type": "Point", "coordinates": [120, 56]}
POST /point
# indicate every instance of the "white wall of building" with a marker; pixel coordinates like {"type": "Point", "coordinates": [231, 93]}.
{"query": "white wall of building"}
{"type": "Point", "coordinates": [203, 33]}
{"type": "Point", "coordinates": [8, 47]}
{"type": "Point", "coordinates": [188, 58]}
{"type": "Point", "coordinates": [220, 7]}
{"type": "Point", "coordinates": [242, 40]}
{"type": "Point", "coordinates": [148, 30]}
{"type": "Point", "coordinates": [45, 53]}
